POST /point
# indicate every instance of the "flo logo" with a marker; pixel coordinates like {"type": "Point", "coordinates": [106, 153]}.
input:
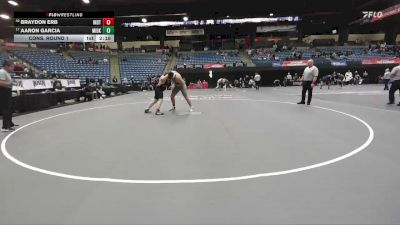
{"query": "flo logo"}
{"type": "Point", "coordinates": [372, 14]}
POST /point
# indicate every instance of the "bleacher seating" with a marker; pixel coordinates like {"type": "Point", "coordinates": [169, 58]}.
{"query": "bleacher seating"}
{"type": "Point", "coordinates": [349, 54]}
{"type": "Point", "coordinates": [139, 67]}
{"type": "Point", "coordinates": [200, 58]}
{"type": "Point", "coordinates": [45, 60]}
{"type": "Point", "coordinates": [93, 55]}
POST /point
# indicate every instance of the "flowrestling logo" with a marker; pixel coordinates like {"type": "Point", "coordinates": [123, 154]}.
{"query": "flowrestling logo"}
{"type": "Point", "coordinates": [372, 14]}
{"type": "Point", "coordinates": [19, 84]}
{"type": "Point", "coordinates": [39, 83]}
{"type": "Point", "coordinates": [71, 82]}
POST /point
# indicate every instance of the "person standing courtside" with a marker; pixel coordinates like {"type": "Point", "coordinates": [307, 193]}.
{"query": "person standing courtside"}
{"type": "Point", "coordinates": [257, 79]}
{"type": "Point", "coordinates": [386, 79]}
{"type": "Point", "coordinates": [395, 77]}
{"type": "Point", "coordinates": [309, 79]}
{"type": "Point", "coordinates": [6, 95]}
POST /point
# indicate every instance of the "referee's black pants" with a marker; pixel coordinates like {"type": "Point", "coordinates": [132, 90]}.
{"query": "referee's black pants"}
{"type": "Point", "coordinates": [306, 88]}
{"type": "Point", "coordinates": [6, 110]}
{"type": "Point", "coordinates": [395, 86]}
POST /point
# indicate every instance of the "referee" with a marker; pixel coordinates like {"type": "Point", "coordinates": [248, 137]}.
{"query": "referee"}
{"type": "Point", "coordinates": [5, 95]}
{"type": "Point", "coordinates": [395, 77]}
{"type": "Point", "coordinates": [310, 76]}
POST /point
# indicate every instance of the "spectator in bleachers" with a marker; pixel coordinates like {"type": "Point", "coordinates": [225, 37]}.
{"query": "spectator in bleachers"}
{"type": "Point", "coordinates": [277, 82]}
{"type": "Point", "coordinates": [143, 85]}
{"type": "Point", "coordinates": [300, 56]}
{"type": "Point", "coordinates": [222, 83]}
{"type": "Point", "coordinates": [287, 80]}
{"type": "Point", "coordinates": [236, 83]}
{"type": "Point", "coordinates": [257, 79]}
{"type": "Point", "coordinates": [357, 78]}
{"type": "Point", "coordinates": [100, 93]}
{"type": "Point", "coordinates": [296, 77]}
{"type": "Point", "coordinates": [252, 83]}
{"type": "Point", "coordinates": [90, 91]}
{"type": "Point", "coordinates": [100, 82]}
{"type": "Point", "coordinates": [199, 84]}
{"type": "Point", "coordinates": [57, 86]}
{"type": "Point", "coordinates": [289, 76]}
{"type": "Point", "coordinates": [365, 77]}
{"type": "Point", "coordinates": [125, 81]}
{"type": "Point", "coordinates": [383, 46]}
{"type": "Point", "coordinates": [326, 80]}
{"type": "Point", "coordinates": [339, 79]}
{"type": "Point", "coordinates": [241, 82]}
{"type": "Point", "coordinates": [205, 84]}
{"type": "Point", "coordinates": [348, 77]}
{"type": "Point", "coordinates": [247, 80]}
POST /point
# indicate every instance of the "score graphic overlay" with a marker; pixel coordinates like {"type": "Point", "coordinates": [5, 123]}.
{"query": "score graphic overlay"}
{"type": "Point", "coordinates": [64, 26]}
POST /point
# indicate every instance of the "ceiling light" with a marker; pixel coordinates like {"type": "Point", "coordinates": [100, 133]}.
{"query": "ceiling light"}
{"type": "Point", "coordinates": [86, 1]}
{"type": "Point", "coordinates": [144, 20]}
{"type": "Point", "coordinates": [5, 16]}
{"type": "Point", "coordinates": [14, 3]}
{"type": "Point", "coordinates": [271, 14]}
{"type": "Point", "coordinates": [185, 18]}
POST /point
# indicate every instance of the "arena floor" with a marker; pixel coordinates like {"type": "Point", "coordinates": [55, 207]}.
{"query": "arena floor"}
{"type": "Point", "coordinates": [243, 156]}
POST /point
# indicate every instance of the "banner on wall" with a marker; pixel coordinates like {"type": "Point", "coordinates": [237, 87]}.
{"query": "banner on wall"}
{"type": "Point", "coordinates": [16, 45]}
{"type": "Point", "coordinates": [70, 83]}
{"type": "Point", "coordinates": [295, 63]}
{"type": "Point", "coordinates": [281, 28]}
{"type": "Point", "coordinates": [40, 84]}
{"type": "Point", "coordinates": [209, 66]}
{"type": "Point", "coordinates": [276, 64]}
{"type": "Point", "coordinates": [338, 63]}
{"type": "Point", "coordinates": [275, 39]}
{"type": "Point", "coordinates": [187, 32]}
{"type": "Point", "coordinates": [102, 50]}
{"type": "Point", "coordinates": [374, 61]}
{"type": "Point", "coordinates": [10, 44]}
